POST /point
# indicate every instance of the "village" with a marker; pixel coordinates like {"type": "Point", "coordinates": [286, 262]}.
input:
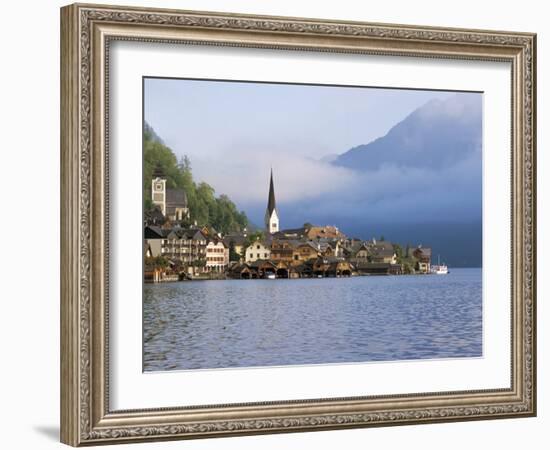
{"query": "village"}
{"type": "Point", "coordinates": [173, 252]}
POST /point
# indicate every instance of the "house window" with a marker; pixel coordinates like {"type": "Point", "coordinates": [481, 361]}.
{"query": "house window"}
{"type": "Point", "coordinates": [296, 257]}
{"type": "Point", "coordinates": [265, 255]}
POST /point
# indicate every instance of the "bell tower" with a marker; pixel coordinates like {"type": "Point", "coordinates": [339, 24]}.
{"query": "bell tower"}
{"type": "Point", "coordinates": [271, 215]}
{"type": "Point", "coordinates": [158, 189]}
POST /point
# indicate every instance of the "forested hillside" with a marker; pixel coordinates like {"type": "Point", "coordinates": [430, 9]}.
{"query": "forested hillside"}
{"type": "Point", "coordinates": [206, 209]}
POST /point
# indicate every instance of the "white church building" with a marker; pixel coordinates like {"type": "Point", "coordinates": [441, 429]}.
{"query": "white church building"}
{"type": "Point", "coordinates": [172, 202]}
{"type": "Point", "coordinates": [271, 215]}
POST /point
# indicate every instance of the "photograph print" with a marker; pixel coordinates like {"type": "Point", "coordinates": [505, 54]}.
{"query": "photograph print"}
{"type": "Point", "coordinates": [297, 224]}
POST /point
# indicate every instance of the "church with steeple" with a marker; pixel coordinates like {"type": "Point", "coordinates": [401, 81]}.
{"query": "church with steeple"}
{"type": "Point", "coordinates": [271, 215]}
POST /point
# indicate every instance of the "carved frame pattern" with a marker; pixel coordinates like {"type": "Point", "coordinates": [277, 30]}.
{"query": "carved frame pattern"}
{"type": "Point", "coordinates": [86, 418]}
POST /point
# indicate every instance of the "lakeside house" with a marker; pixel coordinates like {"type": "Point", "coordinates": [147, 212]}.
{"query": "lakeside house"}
{"type": "Point", "coordinates": [305, 251]}
{"type": "Point", "coordinates": [186, 248]}
{"type": "Point", "coordinates": [283, 249]}
{"type": "Point", "coordinates": [423, 256]}
{"type": "Point", "coordinates": [381, 252]}
{"type": "Point", "coordinates": [257, 250]}
{"type": "Point", "coordinates": [217, 256]}
{"type": "Point", "coordinates": [172, 252]}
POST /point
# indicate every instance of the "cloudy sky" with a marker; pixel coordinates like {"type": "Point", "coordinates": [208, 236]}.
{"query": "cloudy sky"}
{"type": "Point", "coordinates": [235, 132]}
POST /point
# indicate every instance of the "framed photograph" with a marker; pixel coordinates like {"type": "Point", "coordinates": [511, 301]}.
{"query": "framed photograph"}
{"type": "Point", "coordinates": [276, 224]}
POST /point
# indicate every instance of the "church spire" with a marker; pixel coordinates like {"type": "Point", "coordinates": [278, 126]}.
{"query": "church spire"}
{"type": "Point", "coordinates": [271, 199]}
{"type": "Point", "coordinates": [271, 215]}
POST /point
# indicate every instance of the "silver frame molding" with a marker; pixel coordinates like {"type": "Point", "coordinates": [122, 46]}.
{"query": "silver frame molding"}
{"type": "Point", "coordinates": [86, 32]}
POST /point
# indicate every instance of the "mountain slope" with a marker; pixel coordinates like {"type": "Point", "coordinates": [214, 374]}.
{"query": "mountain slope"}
{"type": "Point", "coordinates": [437, 135]}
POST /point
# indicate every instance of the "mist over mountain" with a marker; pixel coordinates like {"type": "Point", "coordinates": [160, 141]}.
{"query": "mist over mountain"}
{"type": "Point", "coordinates": [421, 183]}
{"type": "Point", "coordinates": [149, 130]}
{"type": "Point", "coordinates": [437, 135]}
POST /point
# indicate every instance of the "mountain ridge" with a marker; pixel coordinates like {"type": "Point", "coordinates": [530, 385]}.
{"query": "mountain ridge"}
{"type": "Point", "coordinates": [436, 135]}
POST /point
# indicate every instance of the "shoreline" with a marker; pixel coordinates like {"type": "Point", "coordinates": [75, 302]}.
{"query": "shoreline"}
{"type": "Point", "coordinates": [187, 280]}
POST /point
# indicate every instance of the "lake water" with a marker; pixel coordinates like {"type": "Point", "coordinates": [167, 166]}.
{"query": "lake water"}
{"type": "Point", "coordinates": [245, 323]}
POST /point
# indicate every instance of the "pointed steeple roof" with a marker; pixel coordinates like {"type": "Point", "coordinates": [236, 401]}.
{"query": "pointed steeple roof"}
{"type": "Point", "coordinates": [158, 171]}
{"type": "Point", "coordinates": [271, 199]}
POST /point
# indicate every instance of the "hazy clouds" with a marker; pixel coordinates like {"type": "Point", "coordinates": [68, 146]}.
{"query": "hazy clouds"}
{"type": "Point", "coordinates": [234, 133]}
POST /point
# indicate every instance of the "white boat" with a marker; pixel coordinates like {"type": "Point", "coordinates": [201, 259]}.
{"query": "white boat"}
{"type": "Point", "coordinates": [270, 276]}
{"type": "Point", "coordinates": [439, 269]}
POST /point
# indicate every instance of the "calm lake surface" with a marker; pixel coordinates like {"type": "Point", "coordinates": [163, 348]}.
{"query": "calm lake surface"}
{"type": "Point", "coordinates": [245, 323]}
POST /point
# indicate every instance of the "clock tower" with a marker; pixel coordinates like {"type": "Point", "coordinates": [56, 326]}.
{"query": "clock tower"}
{"type": "Point", "coordinates": [158, 189]}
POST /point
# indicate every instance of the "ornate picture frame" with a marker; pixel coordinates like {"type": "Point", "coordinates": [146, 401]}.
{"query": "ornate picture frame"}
{"type": "Point", "coordinates": [87, 32]}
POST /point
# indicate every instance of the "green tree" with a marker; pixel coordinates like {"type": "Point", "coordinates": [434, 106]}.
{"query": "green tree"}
{"type": "Point", "coordinates": [408, 267]}
{"type": "Point", "coordinates": [199, 262]}
{"type": "Point", "coordinates": [205, 209]}
{"type": "Point", "coordinates": [157, 261]}
{"type": "Point", "coordinates": [148, 203]}
{"type": "Point", "coordinates": [399, 252]}
{"type": "Point", "coordinates": [233, 255]}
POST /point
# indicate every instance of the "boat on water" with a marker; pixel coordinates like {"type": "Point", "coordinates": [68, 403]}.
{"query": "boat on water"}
{"type": "Point", "coordinates": [439, 269]}
{"type": "Point", "coordinates": [270, 276]}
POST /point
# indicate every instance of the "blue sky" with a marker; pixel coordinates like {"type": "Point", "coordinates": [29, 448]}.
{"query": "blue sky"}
{"type": "Point", "coordinates": [203, 118]}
